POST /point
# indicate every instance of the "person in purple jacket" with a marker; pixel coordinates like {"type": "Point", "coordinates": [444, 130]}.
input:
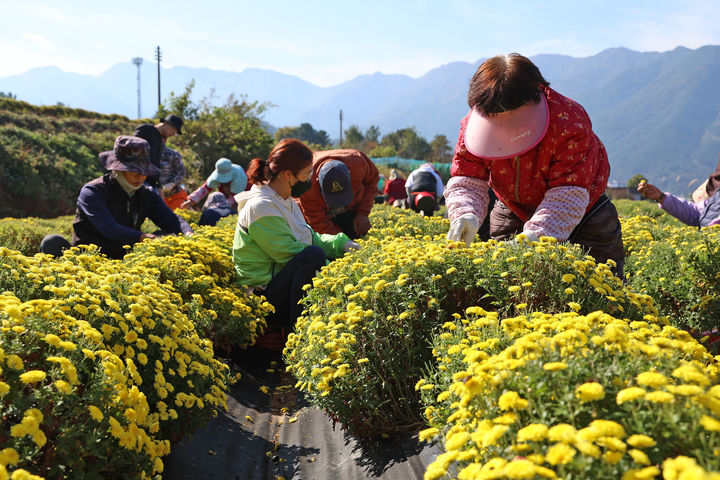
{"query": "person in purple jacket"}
{"type": "Point", "coordinates": [696, 214]}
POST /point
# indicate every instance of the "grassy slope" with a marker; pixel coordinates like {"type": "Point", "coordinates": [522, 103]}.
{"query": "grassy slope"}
{"type": "Point", "coordinates": [48, 153]}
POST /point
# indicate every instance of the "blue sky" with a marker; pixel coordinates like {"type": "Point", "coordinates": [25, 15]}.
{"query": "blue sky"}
{"type": "Point", "coordinates": [328, 42]}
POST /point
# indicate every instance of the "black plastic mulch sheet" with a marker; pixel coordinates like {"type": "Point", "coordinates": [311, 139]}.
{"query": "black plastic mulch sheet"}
{"type": "Point", "coordinates": [273, 435]}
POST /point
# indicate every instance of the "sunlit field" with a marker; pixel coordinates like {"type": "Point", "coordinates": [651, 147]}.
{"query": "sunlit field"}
{"type": "Point", "coordinates": [518, 359]}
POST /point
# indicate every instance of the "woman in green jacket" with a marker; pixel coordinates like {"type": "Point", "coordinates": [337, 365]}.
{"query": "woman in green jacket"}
{"type": "Point", "coordinates": [275, 251]}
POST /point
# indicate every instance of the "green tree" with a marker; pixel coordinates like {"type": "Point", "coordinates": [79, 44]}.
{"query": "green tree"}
{"type": "Point", "coordinates": [233, 130]}
{"type": "Point", "coordinates": [633, 182]}
{"type": "Point", "coordinates": [306, 133]}
{"type": "Point", "coordinates": [182, 104]}
{"type": "Point", "coordinates": [440, 149]}
{"type": "Point", "coordinates": [372, 134]}
{"type": "Point", "coordinates": [353, 138]}
{"type": "Point", "coordinates": [407, 143]}
{"type": "Point", "coordinates": [382, 151]}
{"type": "Point", "coordinates": [8, 95]}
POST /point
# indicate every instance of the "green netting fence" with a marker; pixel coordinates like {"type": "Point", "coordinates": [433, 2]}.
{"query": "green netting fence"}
{"type": "Point", "coordinates": [410, 164]}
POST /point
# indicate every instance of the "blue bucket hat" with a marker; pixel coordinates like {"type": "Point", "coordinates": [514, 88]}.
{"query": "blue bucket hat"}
{"type": "Point", "coordinates": [334, 179]}
{"type": "Point", "coordinates": [129, 154]}
{"type": "Point", "coordinates": [227, 172]}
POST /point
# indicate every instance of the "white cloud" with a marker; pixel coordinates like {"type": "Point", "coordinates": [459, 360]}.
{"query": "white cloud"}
{"type": "Point", "coordinates": [46, 11]}
{"type": "Point", "coordinates": [40, 41]}
{"type": "Point", "coordinates": [693, 23]}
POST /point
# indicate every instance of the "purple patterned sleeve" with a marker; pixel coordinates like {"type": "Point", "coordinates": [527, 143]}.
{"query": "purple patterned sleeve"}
{"type": "Point", "coordinates": [685, 211]}
{"type": "Point", "coordinates": [467, 195]}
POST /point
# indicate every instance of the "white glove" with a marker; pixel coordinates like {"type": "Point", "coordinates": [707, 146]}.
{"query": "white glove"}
{"type": "Point", "coordinates": [464, 228]}
{"type": "Point", "coordinates": [530, 235]}
{"type": "Point", "coordinates": [349, 246]}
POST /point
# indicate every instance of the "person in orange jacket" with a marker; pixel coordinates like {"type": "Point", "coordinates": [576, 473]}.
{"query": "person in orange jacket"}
{"type": "Point", "coordinates": [344, 185]}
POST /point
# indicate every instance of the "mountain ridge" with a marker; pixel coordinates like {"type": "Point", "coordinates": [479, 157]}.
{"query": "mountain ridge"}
{"type": "Point", "coordinates": [658, 113]}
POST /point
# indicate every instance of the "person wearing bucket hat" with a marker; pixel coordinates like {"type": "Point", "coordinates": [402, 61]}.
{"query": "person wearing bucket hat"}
{"type": "Point", "coordinates": [423, 187]}
{"type": "Point", "coordinates": [342, 192]}
{"type": "Point", "coordinates": [111, 209]}
{"type": "Point", "coordinates": [537, 150]}
{"type": "Point", "coordinates": [227, 178]}
{"type": "Point", "coordinates": [275, 251]}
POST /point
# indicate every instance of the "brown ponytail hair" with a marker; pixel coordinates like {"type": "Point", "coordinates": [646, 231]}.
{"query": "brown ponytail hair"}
{"type": "Point", "coordinates": [504, 83]}
{"type": "Point", "coordinates": [288, 154]}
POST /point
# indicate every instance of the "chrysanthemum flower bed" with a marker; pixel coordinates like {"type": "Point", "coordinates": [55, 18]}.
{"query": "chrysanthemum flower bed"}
{"type": "Point", "coordinates": [528, 360]}
{"type": "Point", "coordinates": [372, 316]}
{"type": "Point", "coordinates": [679, 267]}
{"type": "Point", "coordinates": [70, 407]}
{"type": "Point", "coordinates": [571, 396]}
{"type": "Point", "coordinates": [200, 269]}
{"type": "Point", "coordinates": [160, 380]}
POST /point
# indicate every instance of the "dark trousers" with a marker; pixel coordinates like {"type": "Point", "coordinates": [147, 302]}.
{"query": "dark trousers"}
{"type": "Point", "coordinates": [344, 221]}
{"type": "Point", "coordinates": [484, 231]}
{"type": "Point", "coordinates": [598, 232]}
{"type": "Point", "coordinates": [285, 289]}
{"type": "Point", "coordinates": [212, 215]}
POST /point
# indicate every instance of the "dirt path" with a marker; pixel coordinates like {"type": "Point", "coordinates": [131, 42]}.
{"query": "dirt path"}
{"type": "Point", "coordinates": [273, 435]}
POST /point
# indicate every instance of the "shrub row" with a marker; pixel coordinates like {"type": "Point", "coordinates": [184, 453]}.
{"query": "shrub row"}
{"type": "Point", "coordinates": [571, 396]}
{"type": "Point", "coordinates": [679, 267]}
{"type": "Point", "coordinates": [371, 316]}
{"type": "Point", "coordinates": [112, 360]}
{"type": "Point", "coordinates": [531, 359]}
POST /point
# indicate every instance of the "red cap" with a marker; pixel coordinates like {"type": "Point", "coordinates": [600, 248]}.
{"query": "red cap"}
{"type": "Point", "coordinates": [507, 134]}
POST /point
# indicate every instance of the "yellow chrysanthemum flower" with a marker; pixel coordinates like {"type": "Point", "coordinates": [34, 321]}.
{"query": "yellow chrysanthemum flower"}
{"type": "Point", "coordinates": [33, 376]}
{"type": "Point", "coordinates": [588, 392]}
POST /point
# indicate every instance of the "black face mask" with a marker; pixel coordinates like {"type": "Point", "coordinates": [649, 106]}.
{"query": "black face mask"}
{"type": "Point", "coordinates": [300, 188]}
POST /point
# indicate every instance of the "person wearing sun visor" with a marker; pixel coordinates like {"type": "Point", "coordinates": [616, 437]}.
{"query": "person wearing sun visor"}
{"type": "Point", "coordinates": [537, 150]}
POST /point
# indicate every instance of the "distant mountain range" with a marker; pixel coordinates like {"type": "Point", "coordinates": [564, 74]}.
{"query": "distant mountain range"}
{"type": "Point", "coordinates": [657, 113]}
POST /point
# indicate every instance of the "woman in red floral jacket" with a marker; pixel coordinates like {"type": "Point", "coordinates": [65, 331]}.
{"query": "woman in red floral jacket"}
{"type": "Point", "coordinates": [536, 149]}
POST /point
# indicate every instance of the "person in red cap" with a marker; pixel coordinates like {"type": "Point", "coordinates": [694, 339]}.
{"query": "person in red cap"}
{"type": "Point", "coordinates": [344, 185]}
{"type": "Point", "coordinates": [537, 150]}
{"type": "Point", "coordinates": [423, 187]}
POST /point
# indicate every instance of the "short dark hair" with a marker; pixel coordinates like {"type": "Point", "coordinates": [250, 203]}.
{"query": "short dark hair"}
{"type": "Point", "coordinates": [504, 83]}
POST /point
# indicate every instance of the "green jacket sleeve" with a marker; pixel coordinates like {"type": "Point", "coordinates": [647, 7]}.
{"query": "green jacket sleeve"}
{"type": "Point", "coordinates": [273, 236]}
{"type": "Point", "coordinates": [332, 245]}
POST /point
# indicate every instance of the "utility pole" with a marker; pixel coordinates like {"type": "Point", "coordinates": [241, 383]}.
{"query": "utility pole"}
{"type": "Point", "coordinates": [158, 57]}
{"type": "Point", "coordinates": [340, 128]}
{"type": "Point", "coordinates": [137, 61]}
